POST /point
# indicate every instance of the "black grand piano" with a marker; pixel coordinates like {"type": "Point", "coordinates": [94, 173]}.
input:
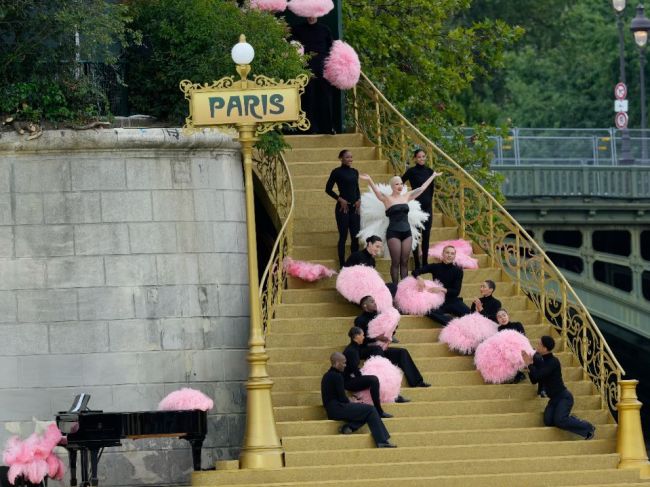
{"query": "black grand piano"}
{"type": "Point", "coordinates": [89, 432]}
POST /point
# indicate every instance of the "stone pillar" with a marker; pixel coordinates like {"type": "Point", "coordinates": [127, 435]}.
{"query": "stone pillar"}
{"type": "Point", "coordinates": [123, 274]}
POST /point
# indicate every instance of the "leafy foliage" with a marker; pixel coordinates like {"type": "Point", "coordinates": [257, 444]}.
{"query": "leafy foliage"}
{"type": "Point", "coordinates": [192, 39]}
{"type": "Point", "coordinates": [41, 75]}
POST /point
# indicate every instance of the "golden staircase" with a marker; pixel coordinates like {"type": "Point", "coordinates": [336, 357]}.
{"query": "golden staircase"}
{"type": "Point", "coordinates": [460, 431]}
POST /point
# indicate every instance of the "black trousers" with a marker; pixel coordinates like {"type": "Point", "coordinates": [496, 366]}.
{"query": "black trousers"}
{"type": "Point", "coordinates": [356, 415]}
{"type": "Point", "coordinates": [399, 357]}
{"type": "Point", "coordinates": [424, 243]}
{"type": "Point", "coordinates": [558, 413]}
{"type": "Point", "coordinates": [454, 306]}
{"type": "Point", "coordinates": [316, 101]}
{"type": "Point", "coordinates": [356, 384]}
{"type": "Point", "coordinates": [349, 222]}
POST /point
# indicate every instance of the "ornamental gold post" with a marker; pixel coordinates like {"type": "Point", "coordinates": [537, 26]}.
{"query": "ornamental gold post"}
{"type": "Point", "coordinates": [629, 436]}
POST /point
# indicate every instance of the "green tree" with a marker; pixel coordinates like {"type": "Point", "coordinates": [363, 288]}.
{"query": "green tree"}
{"type": "Point", "coordinates": [192, 39]}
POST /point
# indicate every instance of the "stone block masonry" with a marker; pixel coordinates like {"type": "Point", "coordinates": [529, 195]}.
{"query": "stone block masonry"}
{"type": "Point", "coordinates": [123, 274]}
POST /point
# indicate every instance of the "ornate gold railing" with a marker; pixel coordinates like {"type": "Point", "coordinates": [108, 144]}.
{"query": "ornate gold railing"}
{"type": "Point", "coordinates": [274, 175]}
{"type": "Point", "coordinates": [482, 219]}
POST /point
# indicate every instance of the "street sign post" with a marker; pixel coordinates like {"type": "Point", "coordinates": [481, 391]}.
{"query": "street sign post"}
{"type": "Point", "coordinates": [620, 91]}
{"type": "Point", "coordinates": [621, 120]}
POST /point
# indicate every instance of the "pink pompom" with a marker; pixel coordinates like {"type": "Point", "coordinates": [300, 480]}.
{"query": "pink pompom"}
{"type": "Point", "coordinates": [463, 248]}
{"type": "Point", "coordinates": [499, 357]}
{"type": "Point", "coordinates": [465, 333]}
{"type": "Point", "coordinates": [310, 8]}
{"type": "Point", "coordinates": [185, 399]}
{"type": "Point", "coordinates": [269, 5]}
{"type": "Point", "coordinates": [342, 66]}
{"type": "Point", "coordinates": [384, 324]}
{"type": "Point", "coordinates": [390, 379]}
{"type": "Point", "coordinates": [306, 270]}
{"type": "Point", "coordinates": [359, 281]}
{"type": "Point", "coordinates": [411, 301]}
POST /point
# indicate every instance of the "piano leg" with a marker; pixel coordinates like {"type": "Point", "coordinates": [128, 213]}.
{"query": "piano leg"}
{"type": "Point", "coordinates": [94, 459]}
{"type": "Point", "coordinates": [197, 444]}
{"type": "Point", "coordinates": [72, 458]}
{"type": "Point", "coordinates": [83, 454]}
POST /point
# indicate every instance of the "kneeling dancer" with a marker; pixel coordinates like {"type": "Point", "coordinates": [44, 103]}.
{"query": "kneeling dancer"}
{"type": "Point", "coordinates": [338, 406]}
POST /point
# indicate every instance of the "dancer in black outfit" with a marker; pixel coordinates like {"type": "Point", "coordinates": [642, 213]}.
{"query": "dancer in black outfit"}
{"type": "Point", "coordinates": [503, 319]}
{"type": "Point", "coordinates": [338, 406]}
{"type": "Point", "coordinates": [354, 380]}
{"type": "Point", "coordinates": [398, 234]}
{"type": "Point", "coordinates": [451, 277]}
{"type": "Point", "coordinates": [487, 304]}
{"type": "Point", "coordinates": [348, 202]}
{"type": "Point", "coordinates": [545, 368]}
{"type": "Point", "coordinates": [316, 101]}
{"type": "Point", "coordinates": [398, 356]}
{"type": "Point", "coordinates": [374, 247]}
{"type": "Point", "coordinates": [417, 175]}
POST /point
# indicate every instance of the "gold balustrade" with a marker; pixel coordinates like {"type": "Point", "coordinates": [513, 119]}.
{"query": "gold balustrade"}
{"type": "Point", "coordinates": [482, 219]}
{"type": "Point", "coordinates": [273, 173]}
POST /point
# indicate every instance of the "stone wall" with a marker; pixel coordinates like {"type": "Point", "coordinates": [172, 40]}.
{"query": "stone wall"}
{"type": "Point", "coordinates": [123, 273]}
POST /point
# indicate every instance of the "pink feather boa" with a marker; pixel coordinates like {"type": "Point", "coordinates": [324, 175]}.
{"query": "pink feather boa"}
{"type": "Point", "coordinates": [464, 334]}
{"type": "Point", "coordinates": [306, 270]}
{"type": "Point", "coordinates": [463, 248]}
{"type": "Point", "coordinates": [358, 281]}
{"type": "Point", "coordinates": [34, 458]}
{"type": "Point", "coordinates": [499, 357]}
{"type": "Point", "coordinates": [411, 301]}
{"type": "Point", "coordinates": [269, 5]}
{"type": "Point", "coordinates": [185, 399]}
{"type": "Point", "coordinates": [384, 324]}
{"type": "Point", "coordinates": [310, 8]}
{"type": "Point", "coordinates": [390, 379]}
{"type": "Point", "coordinates": [342, 66]}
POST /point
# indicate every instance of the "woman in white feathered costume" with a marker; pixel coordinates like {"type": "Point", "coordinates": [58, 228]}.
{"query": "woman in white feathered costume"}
{"type": "Point", "coordinates": [392, 211]}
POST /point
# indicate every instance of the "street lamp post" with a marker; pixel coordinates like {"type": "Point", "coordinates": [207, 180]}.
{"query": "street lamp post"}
{"type": "Point", "coordinates": [640, 26]}
{"type": "Point", "coordinates": [619, 6]}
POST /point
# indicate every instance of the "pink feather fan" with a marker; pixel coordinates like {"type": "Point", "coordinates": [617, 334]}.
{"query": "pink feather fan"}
{"type": "Point", "coordinates": [358, 281]}
{"type": "Point", "coordinates": [310, 8]}
{"type": "Point", "coordinates": [463, 248]}
{"type": "Point", "coordinates": [307, 271]}
{"type": "Point", "coordinates": [464, 334]}
{"type": "Point", "coordinates": [499, 357]}
{"type": "Point", "coordinates": [269, 5]}
{"type": "Point", "coordinates": [390, 379]}
{"type": "Point", "coordinates": [185, 399]}
{"type": "Point", "coordinates": [384, 324]}
{"type": "Point", "coordinates": [342, 66]}
{"type": "Point", "coordinates": [34, 458]}
{"type": "Point", "coordinates": [413, 302]}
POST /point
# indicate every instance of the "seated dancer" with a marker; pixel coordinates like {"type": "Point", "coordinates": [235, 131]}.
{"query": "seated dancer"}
{"type": "Point", "coordinates": [451, 277]}
{"type": "Point", "coordinates": [398, 234]}
{"type": "Point", "coordinates": [544, 368]}
{"type": "Point", "coordinates": [487, 304]}
{"type": "Point", "coordinates": [398, 356]}
{"type": "Point", "coordinates": [374, 247]}
{"type": "Point", "coordinates": [353, 379]}
{"type": "Point", "coordinates": [338, 406]}
{"type": "Point", "coordinates": [503, 319]}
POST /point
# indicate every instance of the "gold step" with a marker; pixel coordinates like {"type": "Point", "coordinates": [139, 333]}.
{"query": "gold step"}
{"type": "Point", "coordinates": [375, 166]}
{"type": "Point", "coordinates": [363, 153]}
{"type": "Point", "coordinates": [318, 141]}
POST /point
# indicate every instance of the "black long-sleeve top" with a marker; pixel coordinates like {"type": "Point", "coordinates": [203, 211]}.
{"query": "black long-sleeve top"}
{"type": "Point", "coordinates": [546, 369]}
{"type": "Point", "coordinates": [513, 325]}
{"type": "Point", "coordinates": [450, 275]}
{"type": "Point", "coordinates": [346, 179]}
{"type": "Point", "coordinates": [490, 307]}
{"type": "Point", "coordinates": [332, 387]}
{"type": "Point", "coordinates": [353, 357]}
{"type": "Point", "coordinates": [317, 41]}
{"type": "Point", "coordinates": [362, 322]}
{"type": "Point", "coordinates": [360, 257]}
{"type": "Point", "coordinates": [417, 176]}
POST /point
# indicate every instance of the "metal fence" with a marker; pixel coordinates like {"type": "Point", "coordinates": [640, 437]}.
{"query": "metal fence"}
{"type": "Point", "coordinates": [571, 147]}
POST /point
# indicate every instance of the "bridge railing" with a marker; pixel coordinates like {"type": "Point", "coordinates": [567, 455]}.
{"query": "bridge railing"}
{"type": "Point", "coordinates": [482, 219]}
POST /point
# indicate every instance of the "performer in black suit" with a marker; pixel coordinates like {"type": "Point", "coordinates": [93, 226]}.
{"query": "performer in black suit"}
{"type": "Point", "coordinates": [546, 369]}
{"type": "Point", "coordinates": [398, 356]}
{"type": "Point", "coordinates": [451, 277]}
{"type": "Point", "coordinates": [374, 247]}
{"type": "Point", "coordinates": [487, 304]}
{"type": "Point", "coordinates": [338, 406]}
